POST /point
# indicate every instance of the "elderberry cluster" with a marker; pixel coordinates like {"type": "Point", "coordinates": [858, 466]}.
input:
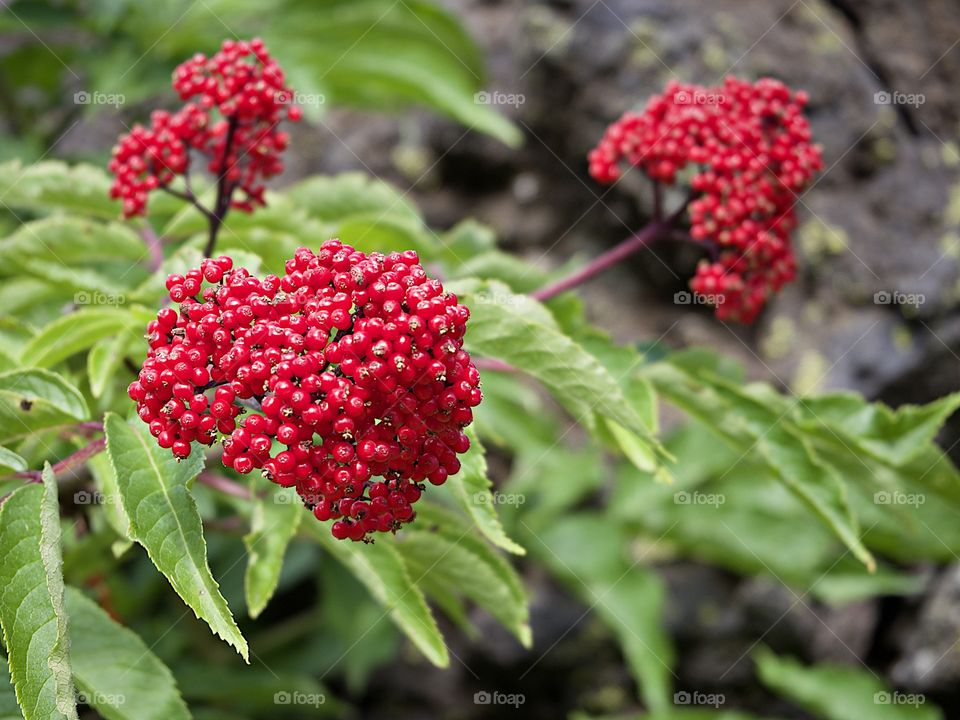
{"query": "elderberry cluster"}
{"type": "Point", "coordinates": [752, 147]}
{"type": "Point", "coordinates": [354, 362]}
{"type": "Point", "coordinates": [246, 87]}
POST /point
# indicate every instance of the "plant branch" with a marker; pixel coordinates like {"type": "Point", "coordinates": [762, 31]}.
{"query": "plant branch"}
{"type": "Point", "coordinates": [656, 230]}
{"type": "Point", "coordinates": [224, 191]}
{"type": "Point", "coordinates": [69, 462]}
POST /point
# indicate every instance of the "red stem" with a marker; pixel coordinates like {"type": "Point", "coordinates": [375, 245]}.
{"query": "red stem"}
{"type": "Point", "coordinates": [657, 230]}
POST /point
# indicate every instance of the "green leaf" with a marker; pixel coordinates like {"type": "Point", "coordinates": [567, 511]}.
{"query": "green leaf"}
{"type": "Point", "coordinates": [35, 400]}
{"type": "Point", "coordinates": [115, 670]}
{"type": "Point", "coordinates": [750, 424]}
{"type": "Point", "coordinates": [74, 333]}
{"type": "Point", "coordinates": [334, 198]}
{"type": "Point", "coordinates": [105, 359]}
{"type": "Point", "coordinates": [840, 692]}
{"type": "Point", "coordinates": [273, 524]}
{"type": "Point", "coordinates": [54, 185]}
{"type": "Point", "coordinates": [587, 552]}
{"type": "Point", "coordinates": [522, 332]}
{"type": "Point", "coordinates": [98, 261]}
{"type": "Point", "coordinates": [105, 479]}
{"type": "Point", "coordinates": [471, 487]}
{"type": "Point", "coordinates": [379, 54]}
{"type": "Point", "coordinates": [31, 604]}
{"type": "Point", "coordinates": [10, 461]}
{"type": "Point", "coordinates": [891, 436]}
{"type": "Point", "coordinates": [442, 551]}
{"type": "Point", "coordinates": [154, 488]}
{"type": "Point", "coordinates": [382, 571]}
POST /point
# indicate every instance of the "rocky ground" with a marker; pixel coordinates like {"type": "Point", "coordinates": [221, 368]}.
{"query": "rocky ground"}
{"type": "Point", "coordinates": [884, 218]}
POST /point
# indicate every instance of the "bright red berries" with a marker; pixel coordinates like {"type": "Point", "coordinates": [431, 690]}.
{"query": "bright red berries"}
{"type": "Point", "coordinates": [356, 364]}
{"type": "Point", "coordinates": [246, 87]}
{"type": "Point", "coordinates": [753, 149]}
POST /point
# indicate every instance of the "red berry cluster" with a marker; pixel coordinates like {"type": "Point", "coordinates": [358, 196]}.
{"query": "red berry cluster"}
{"type": "Point", "coordinates": [246, 87]}
{"type": "Point", "coordinates": [752, 147]}
{"type": "Point", "coordinates": [354, 364]}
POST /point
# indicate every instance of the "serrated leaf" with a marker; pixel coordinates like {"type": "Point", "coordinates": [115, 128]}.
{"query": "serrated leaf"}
{"type": "Point", "coordinates": [154, 489]}
{"type": "Point", "coordinates": [840, 692]}
{"type": "Point", "coordinates": [471, 487]}
{"type": "Point", "coordinates": [520, 331]}
{"type": "Point", "coordinates": [74, 333]}
{"type": "Point", "coordinates": [892, 436]}
{"type": "Point", "coordinates": [273, 523]}
{"type": "Point", "coordinates": [35, 400]}
{"type": "Point", "coordinates": [442, 551]}
{"type": "Point", "coordinates": [31, 602]}
{"type": "Point", "coordinates": [751, 425]}
{"type": "Point", "coordinates": [381, 570]}
{"type": "Point", "coordinates": [115, 670]}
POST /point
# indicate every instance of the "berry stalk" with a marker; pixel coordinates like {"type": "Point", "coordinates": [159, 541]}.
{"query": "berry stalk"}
{"type": "Point", "coordinates": [659, 229]}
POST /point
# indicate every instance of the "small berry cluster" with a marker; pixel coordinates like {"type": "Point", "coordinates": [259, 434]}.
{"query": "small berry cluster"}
{"type": "Point", "coordinates": [355, 363]}
{"type": "Point", "coordinates": [242, 148]}
{"type": "Point", "coordinates": [752, 147]}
